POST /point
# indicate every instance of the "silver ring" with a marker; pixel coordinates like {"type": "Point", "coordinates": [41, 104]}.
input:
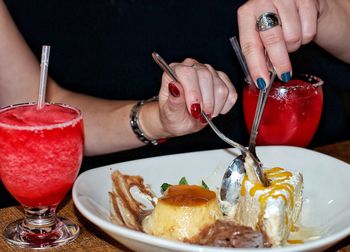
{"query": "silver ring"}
{"type": "Point", "coordinates": [266, 21]}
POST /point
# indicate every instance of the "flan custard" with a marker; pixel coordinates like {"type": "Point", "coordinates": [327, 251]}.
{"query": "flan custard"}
{"type": "Point", "coordinates": [182, 212]}
{"type": "Point", "coordinates": [273, 210]}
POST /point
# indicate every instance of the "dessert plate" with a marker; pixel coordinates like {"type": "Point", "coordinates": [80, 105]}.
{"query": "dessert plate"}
{"type": "Point", "coordinates": [325, 215]}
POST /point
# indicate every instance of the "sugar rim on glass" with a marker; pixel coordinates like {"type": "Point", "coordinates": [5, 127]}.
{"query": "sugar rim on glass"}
{"type": "Point", "coordinates": [72, 122]}
{"type": "Point", "coordinates": [307, 78]}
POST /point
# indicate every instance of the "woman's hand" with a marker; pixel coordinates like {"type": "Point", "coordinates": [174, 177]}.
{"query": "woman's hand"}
{"type": "Point", "coordinates": [298, 26]}
{"type": "Point", "coordinates": [200, 88]}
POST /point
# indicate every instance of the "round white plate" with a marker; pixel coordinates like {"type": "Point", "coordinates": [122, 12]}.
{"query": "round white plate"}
{"type": "Point", "coordinates": [326, 185]}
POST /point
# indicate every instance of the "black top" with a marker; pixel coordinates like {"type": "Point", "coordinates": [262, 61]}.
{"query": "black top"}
{"type": "Point", "coordinates": [103, 48]}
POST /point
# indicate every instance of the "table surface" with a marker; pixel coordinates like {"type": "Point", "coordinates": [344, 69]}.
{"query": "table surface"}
{"type": "Point", "coordinates": [92, 238]}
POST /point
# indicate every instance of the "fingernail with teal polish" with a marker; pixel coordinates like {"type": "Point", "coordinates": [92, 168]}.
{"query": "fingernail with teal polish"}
{"type": "Point", "coordinates": [286, 77]}
{"type": "Point", "coordinates": [261, 83]}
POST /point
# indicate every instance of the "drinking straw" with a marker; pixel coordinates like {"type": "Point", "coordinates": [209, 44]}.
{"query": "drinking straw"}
{"type": "Point", "coordinates": [45, 54]}
{"type": "Point", "coordinates": [241, 59]}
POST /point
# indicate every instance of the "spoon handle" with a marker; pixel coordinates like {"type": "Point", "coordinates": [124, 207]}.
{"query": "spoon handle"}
{"type": "Point", "coordinates": [163, 65]}
{"type": "Point", "coordinates": [263, 94]}
{"type": "Point", "coordinates": [167, 69]}
{"type": "Point", "coordinates": [223, 137]}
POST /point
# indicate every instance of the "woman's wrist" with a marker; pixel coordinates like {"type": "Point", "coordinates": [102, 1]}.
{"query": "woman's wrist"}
{"type": "Point", "coordinates": [146, 123]}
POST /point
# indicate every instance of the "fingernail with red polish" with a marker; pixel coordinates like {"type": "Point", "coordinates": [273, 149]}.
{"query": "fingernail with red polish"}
{"type": "Point", "coordinates": [202, 119]}
{"type": "Point", "coordinates": [173, 90]}
{"type": "Point", "coordinates": [196, 110]}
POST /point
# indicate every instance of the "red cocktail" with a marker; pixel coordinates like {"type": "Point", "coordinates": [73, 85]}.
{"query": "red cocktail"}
{"type": "Point", "coordinates": [291, 114]}
{"type": "Point", "coordinates": [40, 156]}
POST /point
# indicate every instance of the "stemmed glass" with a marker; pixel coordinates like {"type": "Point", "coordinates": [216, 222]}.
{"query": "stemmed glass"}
{"type": "Point", "coordinates": [40, 156]}
{"type": "Point", "coordinates": [292, 111]}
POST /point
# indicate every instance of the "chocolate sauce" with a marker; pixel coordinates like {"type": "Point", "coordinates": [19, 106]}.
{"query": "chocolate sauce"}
{"type": "Point", "coordinates": [228, 234]}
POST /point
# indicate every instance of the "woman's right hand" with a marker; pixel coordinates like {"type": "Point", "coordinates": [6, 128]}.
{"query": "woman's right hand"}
{"type": "Point", "coordinates": [298, 19]}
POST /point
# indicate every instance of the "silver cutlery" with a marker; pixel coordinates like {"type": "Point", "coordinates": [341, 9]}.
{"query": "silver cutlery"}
{"type": "Point", "coordinates": [246, 162]}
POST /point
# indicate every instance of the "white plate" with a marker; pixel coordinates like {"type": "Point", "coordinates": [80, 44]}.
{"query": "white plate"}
{"type": "Point", "coordinates": [326, 186]}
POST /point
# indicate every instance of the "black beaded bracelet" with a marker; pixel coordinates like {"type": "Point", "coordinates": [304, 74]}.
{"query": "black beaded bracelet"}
{"type": "Point", "coordinates": [134, 123]}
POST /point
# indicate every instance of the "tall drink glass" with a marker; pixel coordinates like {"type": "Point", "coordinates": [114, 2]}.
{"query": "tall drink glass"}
{"type": "Point", "coordinates": [292, 111]}
{"type": "Point", "coordinates": [40, 156]}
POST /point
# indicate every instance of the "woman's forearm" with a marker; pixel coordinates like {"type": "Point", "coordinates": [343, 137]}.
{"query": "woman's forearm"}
{"type": "Point", "coordinates": [333, 30]}
{"type": "Point", "coordinates": [107, 127]}
{"type": "Point", "coordinates": [106, 122]}
{"type": "Point", "coordinates": [17, 64]}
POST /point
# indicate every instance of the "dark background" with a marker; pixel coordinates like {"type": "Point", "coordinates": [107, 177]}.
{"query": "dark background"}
{"type": "Point", "coordinates": [103, 48]}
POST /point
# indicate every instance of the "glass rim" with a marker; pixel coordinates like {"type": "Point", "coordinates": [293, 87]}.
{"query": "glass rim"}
{"type": "Point", "coordinates": [73, 121]}
{"type": "Point", "coordinates": [318, 81]}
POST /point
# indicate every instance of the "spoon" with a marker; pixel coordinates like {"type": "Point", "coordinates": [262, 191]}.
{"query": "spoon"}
{"type": "Point", "coordinates": [246, 162]}
{"type": "Point", "coordinates": [263, 94]}
{"type": "Point", "coordinates": [233, 177]}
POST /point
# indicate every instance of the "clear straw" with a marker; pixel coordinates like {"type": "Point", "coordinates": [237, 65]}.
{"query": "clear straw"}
{"type": "Point", "coordinates": [45, 54]}
{"type": "Point", "coordinates": [241, 59]}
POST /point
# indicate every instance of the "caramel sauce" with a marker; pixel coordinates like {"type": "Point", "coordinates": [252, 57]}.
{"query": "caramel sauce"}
{"type": "Point", "coordinates": [287, 187]}
{"type": "Point", "coordinates": [295, 241]}
{"type": "Point", "coordinates": [264, 197]}
{"type": "Point", "coordinates": [277, 177]}
{"type": "Point", "coordinates": [285, 175]}
{"type": "Point", "coordinates": [243, 190]}
{"type": "Point", "coordinates": [293, 228]}
{"type": "Point", "coordinates": [257, 187]}
{"type": "Point", "coordinates": [280, 195]}
{"type": "Point", "coordinates": [275, 185]}
{"type": "Point", "coordinates": [187, 195]}
{"type": "Point", "coordinates": [273, 170]}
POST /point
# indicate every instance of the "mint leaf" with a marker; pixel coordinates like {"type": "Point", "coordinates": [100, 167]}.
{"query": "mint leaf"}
{"type": "Point", "coordinates": [204, 185]}
{"type": "Point", "coordinates": [183, 181]}
{"type": "Point", "coordinates": [165, 186]}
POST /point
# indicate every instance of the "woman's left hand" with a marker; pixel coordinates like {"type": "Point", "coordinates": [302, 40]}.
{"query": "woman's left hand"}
{"type": "Point", "coordinates": [200, 88]}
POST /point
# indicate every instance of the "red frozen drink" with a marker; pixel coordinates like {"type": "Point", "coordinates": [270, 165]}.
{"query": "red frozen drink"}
{"type": "Point", "coordinates": [40, 152]}
{"type": "Point", "coordinates": [291, 114]}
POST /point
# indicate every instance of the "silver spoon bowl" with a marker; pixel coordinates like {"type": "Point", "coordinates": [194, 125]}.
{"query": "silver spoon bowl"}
{"type": "Point", "coordinates": [231, 184]}
{"type": "Point", "coordinates": [246, 163]}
